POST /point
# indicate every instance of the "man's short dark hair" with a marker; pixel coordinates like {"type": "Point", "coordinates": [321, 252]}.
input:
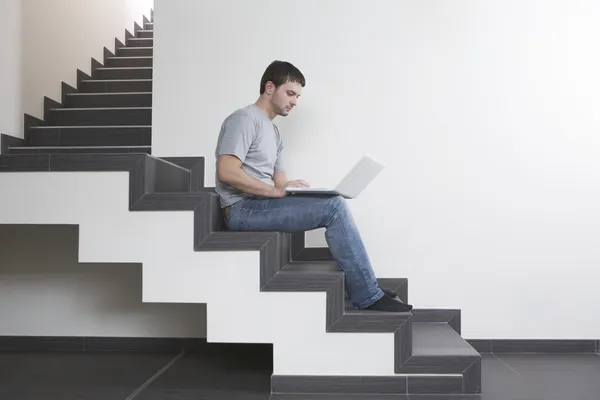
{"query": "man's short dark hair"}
{"type": "Point", "coordinates": [280, 72]}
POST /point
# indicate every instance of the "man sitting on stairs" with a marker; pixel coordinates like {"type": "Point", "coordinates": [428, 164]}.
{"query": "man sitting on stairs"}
{"type": "Point", "coordinates": [251, 182]}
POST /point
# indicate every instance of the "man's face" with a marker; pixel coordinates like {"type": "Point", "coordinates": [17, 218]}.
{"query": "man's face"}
{"type": "Point", "coordinates": [285, 98]}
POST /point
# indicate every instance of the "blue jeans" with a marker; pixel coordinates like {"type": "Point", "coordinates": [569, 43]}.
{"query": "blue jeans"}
{"type": "Point", "coordinates": [304, 213]}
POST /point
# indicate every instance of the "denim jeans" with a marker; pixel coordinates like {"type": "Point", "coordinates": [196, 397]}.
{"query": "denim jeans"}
{"type": "Point", "coordinates": [304, 213]}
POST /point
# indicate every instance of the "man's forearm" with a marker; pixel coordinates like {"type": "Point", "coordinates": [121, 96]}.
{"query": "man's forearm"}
{"type": "Point", "coordinates": [280, 180]}
{"type": "Point", "coordinates": [280, 184]}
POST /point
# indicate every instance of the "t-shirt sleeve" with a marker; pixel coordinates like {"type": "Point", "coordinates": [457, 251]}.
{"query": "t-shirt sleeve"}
{"type": "Point", "coordinates": [239, 132]}
{"type": "Point", "coordinates": [279, 160]}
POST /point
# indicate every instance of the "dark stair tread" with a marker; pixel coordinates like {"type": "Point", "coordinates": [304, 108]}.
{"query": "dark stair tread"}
{"type": "Point", "coordinates": [115, 68]}
{"type": "Point", "coordinates": [326, 267]}
{"type": "Point", "coordinates": [172, 164]}
{"type": "Point", "coordinates": [116, 80]}
{"type": "Point", "coordinates": [182, 195]}
{"type": "Point", "coordinates": [137, 48]}
{"type": "Point", "coordinates": [439, 339]}
{"type": "Point", "coordinates": [129, 61]}
{"type": "Point", "coordinates": [117, 99]}
{"type": "Point", "coordinates": [128, 57]}
{"type": "Point", "coordinates": [331, 267]}
{"type": "Point", "coordinates": [90, 126]}
{"type": "Point", "coordinates": [108, 94]}
{"type": "Point", "coordinates": [78, 147]}
{"type": "Point", "coordinates": [84, 161]}
{"type": "Point", "coordinates": [94, 116]}
{"type": "Point", "coordinates": [41, 150]}
{"type": "Point", "coordinates": [184, 201]}
{"type": "Point", "coordinates": [94, 109]}
{"type": "Point", "coordinates": [350, 309]}
{"type": "Point", "coordinates": [115, 85]}
{"type": "Point", "coordinates": [227, 240]}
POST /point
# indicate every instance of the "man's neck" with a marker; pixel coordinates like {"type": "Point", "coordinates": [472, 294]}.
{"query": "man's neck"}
{"type": "Point", "coordinates": [264, 106]}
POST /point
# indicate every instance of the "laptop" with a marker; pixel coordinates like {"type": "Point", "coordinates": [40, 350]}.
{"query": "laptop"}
{"type": "Point", "coordinates": [359, 177]}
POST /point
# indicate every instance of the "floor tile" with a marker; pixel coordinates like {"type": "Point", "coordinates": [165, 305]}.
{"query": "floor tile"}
{"type": "Point", "coordinates": [551, 377]}
{"type": "Point", "coordinates": [498, 379]}
{"type": "Point", "coordinates": [81, 376]}
{"type": "Point", "coordinates": [338, 397]}
{"type": "Point", "coordinates": [217, 376]}
{"type": "Point", "coordinates": [522, 363]}
{"type": "Point", "coordinates": [201, 394]}
{"type": "Point", "coordinates": [487, 396]}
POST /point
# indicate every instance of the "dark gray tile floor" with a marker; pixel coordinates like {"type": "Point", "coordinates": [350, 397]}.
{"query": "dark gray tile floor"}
{"type": "Point", "coordinates": [242, 374]}
{"type": "Point", "coordinates": [81, 376]}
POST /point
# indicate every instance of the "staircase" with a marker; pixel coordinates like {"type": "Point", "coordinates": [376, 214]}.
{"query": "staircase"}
{"type": "Point", "coordinates": [104, 125]}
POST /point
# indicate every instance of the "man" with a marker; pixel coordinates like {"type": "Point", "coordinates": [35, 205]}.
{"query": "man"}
{"type": "Point", "coordinates": [251, 183]}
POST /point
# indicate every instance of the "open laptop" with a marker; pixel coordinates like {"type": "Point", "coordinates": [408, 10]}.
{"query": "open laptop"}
{"type": "Point", "coordinates": [359, 177]}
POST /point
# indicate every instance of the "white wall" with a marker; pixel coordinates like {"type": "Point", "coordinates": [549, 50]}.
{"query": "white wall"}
{"type": "Point", "coordinates": [45, 291]}
{"type": "Point", "coordinates": [61, 36]}
{"type": "Point", "coordinates": [485, 112]}
{"type": "Point", "coordinates": [10, 68]}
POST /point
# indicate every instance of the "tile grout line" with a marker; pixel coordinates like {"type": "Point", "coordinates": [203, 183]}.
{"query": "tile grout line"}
{"type": "Point", "coordinates": [156, 375]}
{"type": "Point", "coordinates": [506, 365]}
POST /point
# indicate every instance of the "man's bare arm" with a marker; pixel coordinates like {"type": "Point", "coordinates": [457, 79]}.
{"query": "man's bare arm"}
{"type": "Point", "coordinates": [280, 180]}
{"type": "Point", "coordinates": [229, 171]}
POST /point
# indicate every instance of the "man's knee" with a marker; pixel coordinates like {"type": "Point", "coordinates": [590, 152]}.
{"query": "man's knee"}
{"type": "Point", "coordinates": [338, 201]}
{"type": "Point", "coordinates": [339, 204]}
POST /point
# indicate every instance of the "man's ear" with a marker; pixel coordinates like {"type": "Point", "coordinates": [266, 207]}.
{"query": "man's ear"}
{"type": "Point", "coordinates": [269, 87]}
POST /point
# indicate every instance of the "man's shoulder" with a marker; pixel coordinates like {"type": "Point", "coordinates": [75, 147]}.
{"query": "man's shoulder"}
{"type": "Point", "coordinates": [243, 114]}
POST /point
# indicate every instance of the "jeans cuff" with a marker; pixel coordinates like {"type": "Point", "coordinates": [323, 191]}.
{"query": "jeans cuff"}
{"type": "Point", "coordinates": [371, 300]}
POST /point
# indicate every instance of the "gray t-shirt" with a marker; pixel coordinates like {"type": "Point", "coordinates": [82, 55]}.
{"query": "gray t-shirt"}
{"type": "Point", "coordinates": [250, 135]}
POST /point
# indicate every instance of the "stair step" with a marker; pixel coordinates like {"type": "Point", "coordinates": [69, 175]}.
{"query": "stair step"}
{"type": "Point", "coordinates": [314, 254]}
{"type": "Point", "coordinates": [149, 25]}
{"type": "Point", "coordinates": [145, 33]}
{"type": "Point", "coordinates": [187, 201]}
{"type": "Point", "coordinates": [139, 42]}
{"type": "Point", "coordinates": [149, 174]}
{"type": "Point", "coordinates": [325, 267]}
{"type": "Point", "coordinates": [132, 135]}
{"type": "Point", "coordinates": [342, 317]}
{"type": "Point", "coordinates": [235, 241]}
{"type": "Point", "coordinates": [115, 85]}
{"type": "Point", "coordinates": [134, 51]}
{"type": "Point", "coordinates": [102, 100]}
{"type": "Point", "coordinates": [78, 149]}
{"type": "Point", "coordinates": [328, 267]}
{"type": "Point", "coordinates": [438, 339]}
{"type": "Point", "coordinates": [120, 62]}
{"type": "Point", "coordinates": [305, 277]}
{"type": "Point", "coordinates": [438, 349]}
{"type": "Point", "coordinates": [355, 320]}
{"type": "Point", "coordinates": [123, 73]}
{"type": "Point", "coordinates": [100, 116]}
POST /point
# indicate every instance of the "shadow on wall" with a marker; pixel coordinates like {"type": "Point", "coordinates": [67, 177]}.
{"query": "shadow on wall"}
{"type": "Point", "coordinates": [45, 291]}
